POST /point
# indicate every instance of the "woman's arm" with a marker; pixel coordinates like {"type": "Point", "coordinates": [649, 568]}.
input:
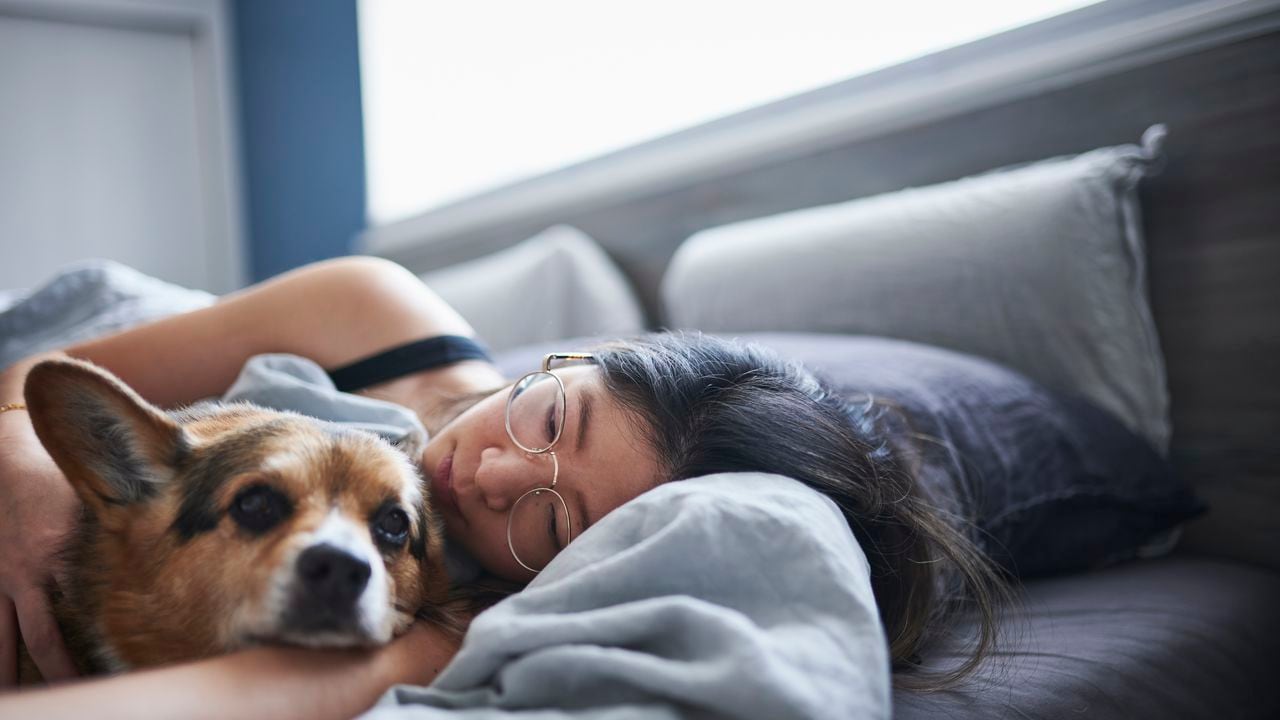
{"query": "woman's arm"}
{"type": "Point", "coordinates": [332, 312]}
{"type": "Point", "coordinates": [274, 682]}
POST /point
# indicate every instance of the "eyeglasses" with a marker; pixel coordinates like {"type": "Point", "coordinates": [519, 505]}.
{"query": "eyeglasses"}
{"type": "Point", "coordinates": [539, 525]}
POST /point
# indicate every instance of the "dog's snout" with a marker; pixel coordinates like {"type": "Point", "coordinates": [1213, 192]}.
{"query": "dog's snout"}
{"type": "Point", "coordinates": [332, 575]}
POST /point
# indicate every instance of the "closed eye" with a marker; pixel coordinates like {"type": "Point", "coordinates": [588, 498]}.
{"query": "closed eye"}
{"type": "Point", "coordinates": [552, 526]}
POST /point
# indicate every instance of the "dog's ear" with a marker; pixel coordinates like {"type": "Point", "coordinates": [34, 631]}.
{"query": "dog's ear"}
{"type": "Point", "coordinates": [412, 444]}
{"type": "Point", "coordinates": [114, 447]}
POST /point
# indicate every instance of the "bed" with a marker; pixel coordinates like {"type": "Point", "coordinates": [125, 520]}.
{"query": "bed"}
{"type": "Point", "coordinates": [1192, 634]}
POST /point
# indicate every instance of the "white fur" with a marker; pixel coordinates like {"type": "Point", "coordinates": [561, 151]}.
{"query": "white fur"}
{"type": "Point", "coordinates": [375, 617]}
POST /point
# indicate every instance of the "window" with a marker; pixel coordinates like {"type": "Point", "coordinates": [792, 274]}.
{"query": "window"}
{"type": "Point", "coordinates": [464, 97]}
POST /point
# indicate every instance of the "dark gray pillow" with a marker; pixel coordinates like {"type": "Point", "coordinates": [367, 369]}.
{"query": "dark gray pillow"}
{"type": "Point", "coordinates": [1050, 481]}
{"type": "Point", "coordinates": [1043, 481]}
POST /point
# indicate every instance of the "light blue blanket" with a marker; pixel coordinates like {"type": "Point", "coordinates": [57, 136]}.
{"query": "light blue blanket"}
{"type": "Point", "coordinates": [739, 595]}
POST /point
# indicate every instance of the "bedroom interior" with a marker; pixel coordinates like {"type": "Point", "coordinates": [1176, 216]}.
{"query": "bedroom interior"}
{"type": "Point", "coordinates": [1088, 200]}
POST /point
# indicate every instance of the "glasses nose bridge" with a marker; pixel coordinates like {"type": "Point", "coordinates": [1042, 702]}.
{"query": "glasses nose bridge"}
{"type": "Point", "coordinates": [545, 468]}
{"type": "Point", "coordinates": [528, 471]}
{"type": "Point", "coordinates": [533, 491]}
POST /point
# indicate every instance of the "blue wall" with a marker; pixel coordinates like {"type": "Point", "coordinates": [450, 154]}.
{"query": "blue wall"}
{"type": "Point", "coordinates": [302, 132]}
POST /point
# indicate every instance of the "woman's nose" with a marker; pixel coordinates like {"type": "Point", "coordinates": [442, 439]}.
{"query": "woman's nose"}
{"type": "Point", "coordinates": [507, 473]}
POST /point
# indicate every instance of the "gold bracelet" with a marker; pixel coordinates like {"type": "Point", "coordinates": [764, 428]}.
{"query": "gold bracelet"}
{"type": "Point", "coordinates": [12, 406]}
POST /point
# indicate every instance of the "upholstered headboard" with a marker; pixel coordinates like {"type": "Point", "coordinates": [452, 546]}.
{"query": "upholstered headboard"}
{"type": "Point", "coordinates": [1212, 215]}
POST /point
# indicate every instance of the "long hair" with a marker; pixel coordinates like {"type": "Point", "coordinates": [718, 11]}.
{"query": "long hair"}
{"type": "Point", "coordinates": [709, 405]}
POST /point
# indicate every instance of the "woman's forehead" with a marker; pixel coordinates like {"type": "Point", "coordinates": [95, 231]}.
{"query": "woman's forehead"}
{"type": "Point", "coordinates": [577, 373]}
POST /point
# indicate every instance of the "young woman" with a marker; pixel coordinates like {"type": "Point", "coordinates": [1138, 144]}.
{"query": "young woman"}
{"type": "Point", "coordinates": [640, 412]}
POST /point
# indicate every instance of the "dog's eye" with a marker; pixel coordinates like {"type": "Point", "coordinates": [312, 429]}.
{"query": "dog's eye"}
{"type": "Point", "coordinates": [259, 508]}
{"type": "Point", "coordinates": [392, 527]}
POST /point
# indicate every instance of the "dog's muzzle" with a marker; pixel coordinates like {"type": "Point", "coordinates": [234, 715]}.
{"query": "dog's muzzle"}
{"type": "Point", "coordinates": [326, 595]}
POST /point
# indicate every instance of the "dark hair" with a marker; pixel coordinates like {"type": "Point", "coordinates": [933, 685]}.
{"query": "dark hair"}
{"type": "Point", "coordinates": [709, 405]}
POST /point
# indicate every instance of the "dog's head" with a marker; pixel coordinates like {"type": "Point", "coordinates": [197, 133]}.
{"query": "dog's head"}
{"type": "Point", "coordinates": [220, 526]}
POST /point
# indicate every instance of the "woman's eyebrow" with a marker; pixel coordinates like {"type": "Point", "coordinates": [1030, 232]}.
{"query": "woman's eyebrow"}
{"type": "Point", "coordinates": [584, 416]}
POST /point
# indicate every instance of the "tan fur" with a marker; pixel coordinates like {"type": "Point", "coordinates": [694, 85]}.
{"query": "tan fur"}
{"type": "Point", "coordinates": [139, 592]}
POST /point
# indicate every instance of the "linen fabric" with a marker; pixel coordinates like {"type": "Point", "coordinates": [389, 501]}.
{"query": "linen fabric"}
{"type": "Point", "coordinates": [86, 300]}
{"type": "Point", "coordinates": [1176, 637]}
{"type": "Point", "coordinates": [739, 595]}
{"type": "Point", "coordinates": [558, 283]}
{"type": "Point", "coordinates": [1039, 267]}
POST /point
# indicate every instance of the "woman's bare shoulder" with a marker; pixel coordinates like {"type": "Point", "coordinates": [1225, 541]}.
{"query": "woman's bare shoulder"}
{"type": "Point", "coordinates": [435, 394]}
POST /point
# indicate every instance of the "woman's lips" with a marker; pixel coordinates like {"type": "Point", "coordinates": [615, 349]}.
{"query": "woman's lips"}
{"type": "Point", "coordinates": [442, 486]}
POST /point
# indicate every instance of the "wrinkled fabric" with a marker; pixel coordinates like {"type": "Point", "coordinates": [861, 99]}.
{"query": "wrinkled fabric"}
{"type": "Point", "coordinates": [84, 301]}
{"type": "Point", "coordinates": [738, 595]}
{"type": "Point", "coordinates": [288, 382]}
{"type": "Point", "coordinates": [1178, 637]}
{"type": "Point", "coordinates": [1039, 267]}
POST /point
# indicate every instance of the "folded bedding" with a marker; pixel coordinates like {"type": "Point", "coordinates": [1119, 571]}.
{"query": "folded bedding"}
{"type": "Point", "coordinates": [740, 595]}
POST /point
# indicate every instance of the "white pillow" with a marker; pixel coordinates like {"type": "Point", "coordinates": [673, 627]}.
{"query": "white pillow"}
{"type": "Point", "coordinates": [557, 284]}
{"type": "Point", "coordinates": [1039, 267]}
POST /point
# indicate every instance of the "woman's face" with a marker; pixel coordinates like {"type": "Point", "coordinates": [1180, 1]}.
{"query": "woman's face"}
{"type": "Point", "coordinates": [477, 473]}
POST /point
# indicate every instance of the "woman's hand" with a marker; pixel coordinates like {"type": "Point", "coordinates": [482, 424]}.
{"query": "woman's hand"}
{"type": "Point", "coordinates": [39, 508]}
{"type": "Point", "coordinates": [274, 682]}
{"type": "Point", "coordinates": [416, 657]}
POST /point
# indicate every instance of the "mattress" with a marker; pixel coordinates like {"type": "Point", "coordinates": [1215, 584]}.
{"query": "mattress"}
{"type": "Point", "coordinates": [1176, 637]}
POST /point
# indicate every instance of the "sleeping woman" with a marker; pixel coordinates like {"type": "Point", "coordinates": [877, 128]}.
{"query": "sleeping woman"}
{"type": "Point", "coordinates": [642, 413]}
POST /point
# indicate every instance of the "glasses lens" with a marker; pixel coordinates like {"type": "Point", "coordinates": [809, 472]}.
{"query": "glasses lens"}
{"type": "Point", "coordinates": [539, 527]}
{"type": "Point", "coordinates": [535, 411]}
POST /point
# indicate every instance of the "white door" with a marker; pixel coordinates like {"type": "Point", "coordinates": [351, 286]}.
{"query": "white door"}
{"type": "Point", "coordinates": [114, 141]}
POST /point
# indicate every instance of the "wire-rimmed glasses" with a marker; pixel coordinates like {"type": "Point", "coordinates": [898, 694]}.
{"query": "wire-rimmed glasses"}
{"type": "Point", "coordinates": [539, 524]}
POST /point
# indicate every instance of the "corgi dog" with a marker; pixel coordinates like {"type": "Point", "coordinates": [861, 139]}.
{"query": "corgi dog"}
{"type": "Point", "coordinates": [221, 526]}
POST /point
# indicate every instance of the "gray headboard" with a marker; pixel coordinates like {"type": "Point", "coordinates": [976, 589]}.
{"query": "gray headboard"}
{"type": "Point", "coordinates": [1212, 216]}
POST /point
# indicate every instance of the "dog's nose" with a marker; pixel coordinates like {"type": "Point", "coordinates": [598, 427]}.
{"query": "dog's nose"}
{"type": "Point", "coordinates": [332, 575]}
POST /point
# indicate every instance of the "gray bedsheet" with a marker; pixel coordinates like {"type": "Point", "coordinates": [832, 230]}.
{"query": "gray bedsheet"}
{"type": "Point", "coordinates": [1176, 637]}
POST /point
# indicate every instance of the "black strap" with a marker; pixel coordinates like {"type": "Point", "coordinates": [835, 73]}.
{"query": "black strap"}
{"type": "Point", "coordinates": [409, 358]}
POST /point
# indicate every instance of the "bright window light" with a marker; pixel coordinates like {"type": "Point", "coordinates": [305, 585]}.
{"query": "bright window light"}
{"type": "Point", "coordinates": [463, 97]}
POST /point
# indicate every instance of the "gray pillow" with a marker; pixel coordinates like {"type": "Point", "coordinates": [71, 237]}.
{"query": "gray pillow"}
{"type": "Point", "coordinates": [1045, 482]}
{"type": "Point", "coordinates": [558, 283]}
{"type": "Point", "coordinates": [1039, 267]}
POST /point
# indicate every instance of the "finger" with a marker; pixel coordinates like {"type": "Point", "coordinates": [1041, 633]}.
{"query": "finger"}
{"type": "Point", "coordinates": [8, 643]}
{"type": "Point", "coordinates": [44, 641]}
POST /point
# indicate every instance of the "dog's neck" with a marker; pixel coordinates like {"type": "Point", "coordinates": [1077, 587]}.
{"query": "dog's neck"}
{"type": "Point", "coordinates": [76, 601]}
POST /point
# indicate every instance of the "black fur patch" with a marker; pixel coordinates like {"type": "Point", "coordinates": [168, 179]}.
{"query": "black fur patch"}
{"type": "Point", "coordinates": [119, 465]}
{"type": "Point", "coordinates": [418, 541]}
{"type": "Point", "coordinates": [216, 464]}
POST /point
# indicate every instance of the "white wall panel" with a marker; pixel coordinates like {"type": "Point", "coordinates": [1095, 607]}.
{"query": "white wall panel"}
{"type": "Point", "coordinates": [112, 143]}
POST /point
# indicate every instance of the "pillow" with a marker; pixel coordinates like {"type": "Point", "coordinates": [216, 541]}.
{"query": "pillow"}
{"type": "Point", "coordinates": [1040, 268]}
{"type": "Point", "coordinates": [558, 283]}
{"type": "Point", "coordinates": [1043, 481]}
